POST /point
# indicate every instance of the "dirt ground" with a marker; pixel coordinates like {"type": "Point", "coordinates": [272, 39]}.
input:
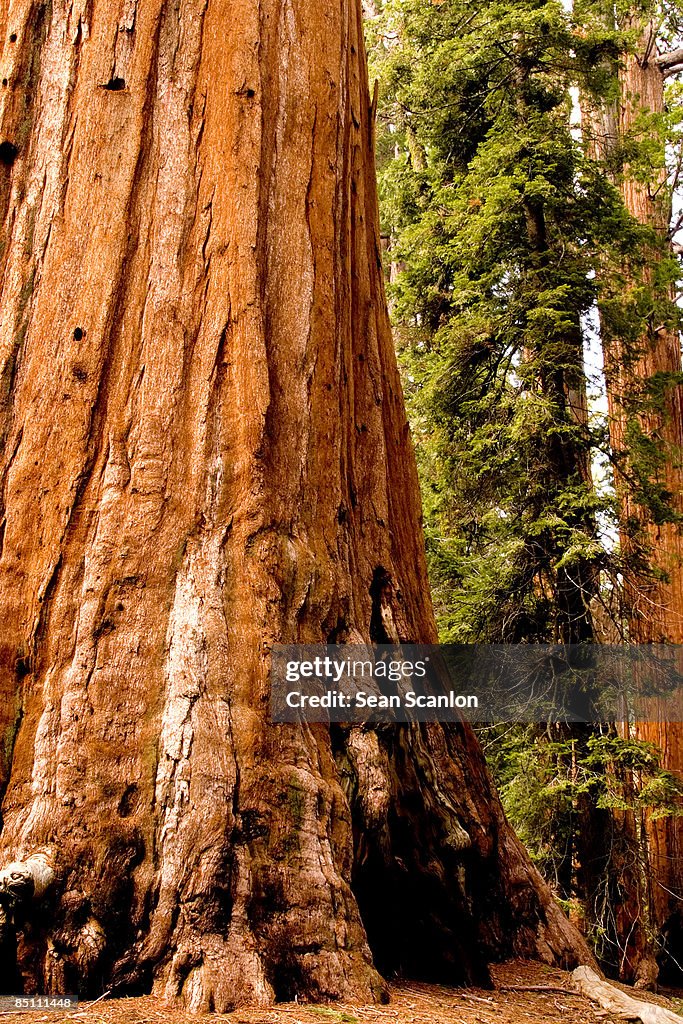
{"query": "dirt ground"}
{"type": "Point", "coordinates": [411, 1003]}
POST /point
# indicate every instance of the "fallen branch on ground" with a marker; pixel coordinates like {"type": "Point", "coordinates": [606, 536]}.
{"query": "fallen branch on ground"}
{"type": "Point", "coordinates": [536, 988]}
{"type": "Point", "coordinates": [615, 1001]}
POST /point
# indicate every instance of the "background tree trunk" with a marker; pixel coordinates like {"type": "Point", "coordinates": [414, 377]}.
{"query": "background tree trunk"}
{"type": "Point", "coordinates": [659, 614]}
{"type": "Point", "coordinates": [205, 451]}
{"type": "Point", "coordinates": [655, 599]}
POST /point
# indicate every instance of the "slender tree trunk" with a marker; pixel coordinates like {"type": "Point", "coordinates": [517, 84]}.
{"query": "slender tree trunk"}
{"type": "Point", "coordinates": [656, 613]}
{"type": "Point", "coordinates": [205, 451]}
{"type": "Point", "coordinates": [622, 903]}
{"type": "Point", "coordinates": [655, 599]}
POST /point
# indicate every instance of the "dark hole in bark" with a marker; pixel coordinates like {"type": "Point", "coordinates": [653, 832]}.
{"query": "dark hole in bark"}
{"type": "Point", "coordinates": [127, 801]}
{"type": "Point", "coordinates": [130, 980]}
{"type": "Point", "coordinates": [414, 888]}
{"type": "Point", "coordinates": [23, 667]}
{"type": "Point", "coordinates": [8, 153]}
{"type": "Point", "coordinates": [78, 334]}
{"type": "Point", "coordinates": [115, 85]}
{"type": "Point", "coordinates": [379, 590]}
{"type": "Point", "coordinates": [287, 979]}
{"type": "Point", "coordinates": [79, 373]}
{"type": "Point", "coordinates": [416, 926]}
{"type": "Point", "coordinates": [4, 83]}
{"type": "Point", "coordinates": [13, 37]}
{"type": "Point", "coordinates": [340, 633]}
{"type": "Point", "coordinates": [251, 93]}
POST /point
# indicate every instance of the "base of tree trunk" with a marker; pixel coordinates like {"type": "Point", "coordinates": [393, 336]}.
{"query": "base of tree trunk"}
{"type": "Point", "coordinates": [280, 910]}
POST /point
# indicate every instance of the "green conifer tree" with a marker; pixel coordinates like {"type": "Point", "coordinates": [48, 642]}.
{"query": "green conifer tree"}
{"type": "Point", "coordinates": [497, 220]}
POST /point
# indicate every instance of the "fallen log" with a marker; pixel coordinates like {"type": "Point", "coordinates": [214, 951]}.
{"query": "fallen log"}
{"type": "Point", "coordinates": [612, 999]}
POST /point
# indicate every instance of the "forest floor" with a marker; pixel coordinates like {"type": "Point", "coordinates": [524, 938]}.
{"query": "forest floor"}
{"type": "Point", "coordinates": [512, 1001]}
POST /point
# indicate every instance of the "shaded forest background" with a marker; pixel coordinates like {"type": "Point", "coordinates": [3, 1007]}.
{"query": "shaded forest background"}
{"type": "Point", "coordinates": [530, 157]}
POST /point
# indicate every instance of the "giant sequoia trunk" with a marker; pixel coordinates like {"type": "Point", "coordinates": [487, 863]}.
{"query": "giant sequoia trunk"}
{"type": "Point", "coordinates": [205, 451]}
{"type": "Point", "coordinates": [655, 598]}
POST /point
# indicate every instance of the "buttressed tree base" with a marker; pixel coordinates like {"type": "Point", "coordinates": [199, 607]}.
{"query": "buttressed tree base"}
{"type": "Point", "coordinates": [205, 451]}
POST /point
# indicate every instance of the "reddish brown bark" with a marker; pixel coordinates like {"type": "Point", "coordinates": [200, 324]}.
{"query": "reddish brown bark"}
{"type": "Point", "coordinates": [205, 450]}
{"type": "Point", "coordinates": [655, 598]}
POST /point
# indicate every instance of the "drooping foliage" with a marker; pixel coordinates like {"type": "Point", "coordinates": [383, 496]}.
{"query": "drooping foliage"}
{"type": "Point", "coordinates": [508, 243]}
{"type": "Point", "coordinates": [497, 220]}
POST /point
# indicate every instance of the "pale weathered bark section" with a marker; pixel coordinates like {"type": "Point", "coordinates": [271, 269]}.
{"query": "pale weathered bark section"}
{"type": "Point", "coordinates": [205, 451]}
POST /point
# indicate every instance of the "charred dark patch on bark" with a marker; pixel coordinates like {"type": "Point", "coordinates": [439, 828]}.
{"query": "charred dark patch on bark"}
{"type": "Point", "coordinates": [380, 592]}
{"type": "Point", "coordinates": [8, 153]}
{"type": "Point", "coordinates": [114, 85]}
